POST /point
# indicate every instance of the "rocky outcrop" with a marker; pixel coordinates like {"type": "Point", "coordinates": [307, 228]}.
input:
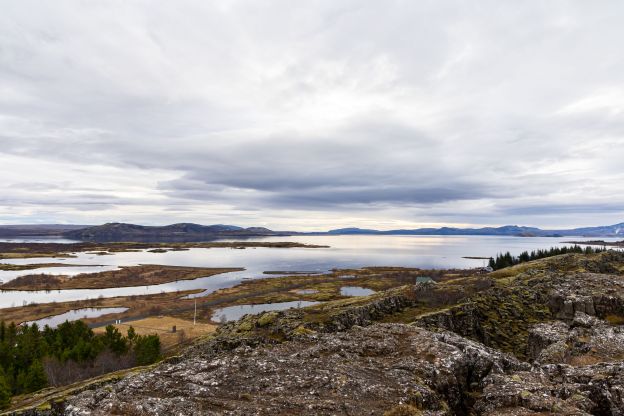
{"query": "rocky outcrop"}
{"type": "Point", "coordinates": [361, 371]}
{"type": "Point", "coordinates": [586, 340]}
{"type": "Point", "coordinates": [367, 370]}
{"type": "Point", "coordinates": [502, 316]}
{"type": "Point", "coordinates": [560, 389]}
{"type": "Point", "coordinates": [499, 318]}
{"type": "Point", "coordinates": [589, 293]}
{"type": "Point", "coordinates": [366, 314]}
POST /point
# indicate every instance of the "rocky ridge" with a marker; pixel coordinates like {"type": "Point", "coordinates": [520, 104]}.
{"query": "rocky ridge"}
{"type": "Point", "coordinates": [537, 339]}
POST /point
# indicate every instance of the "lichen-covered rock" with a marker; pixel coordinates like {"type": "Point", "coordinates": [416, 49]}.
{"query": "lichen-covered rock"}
{"type": "Point", "coordinates": [562, 389]}
{"type": "Point", "coordinates": [566, 306]}
{"type": "Point", "coordinates": [584, 320]}
{"type": "Point", "coordinates": [362, 371]}
{"type": "Point", "coordinates": [373, 370]}
{"type": "Point", "coordinates": [586, 340]}
{"type": "Point", "coordinates": [544, 335]}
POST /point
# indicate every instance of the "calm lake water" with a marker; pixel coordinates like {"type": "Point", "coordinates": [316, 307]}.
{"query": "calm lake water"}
{"type": "Point", "coordinates": [344, 252]}
{"type": "Point", "coordinates": [74, 315]}
{"type": "Point", "coordinates": [37, 240]}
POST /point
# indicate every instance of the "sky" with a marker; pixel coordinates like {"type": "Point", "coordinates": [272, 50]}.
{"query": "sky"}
{"type": "Point", "coordinates": [312, 115]}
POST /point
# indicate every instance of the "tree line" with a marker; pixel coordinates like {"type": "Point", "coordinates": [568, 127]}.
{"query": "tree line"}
{"type": "Point", "coordinates": [31, 358]}
{"type": "Point", "coordinates": [503, 260]}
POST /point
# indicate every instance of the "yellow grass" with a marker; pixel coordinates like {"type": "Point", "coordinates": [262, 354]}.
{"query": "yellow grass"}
{"type": "Point", "coordinates": [162, 326]}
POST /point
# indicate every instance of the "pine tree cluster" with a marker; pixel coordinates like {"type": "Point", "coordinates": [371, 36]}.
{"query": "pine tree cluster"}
{"type": "Point", "coordinates": [25, 349]}
{"type": "Point", "coordinates": [503, 260]}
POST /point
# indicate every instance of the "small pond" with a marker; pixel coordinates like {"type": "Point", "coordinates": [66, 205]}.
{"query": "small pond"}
{"type": "Point", "coordinates": [233, 313]}
{"type": "Point", "coordinates": [306, 291]}
{"type": "Point", "coordinates": [355, 291]}
{"type": "Point", "coordinates": [74, 315]}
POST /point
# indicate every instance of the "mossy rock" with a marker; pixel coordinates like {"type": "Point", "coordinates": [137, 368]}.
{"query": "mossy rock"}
{"type": "Point", "coordinates": [267, 318]}
{"type": "Point", "coordinates": [44, 406]}
{"type": "Point", "coordinates": [244, 326]}
{"type": "Point", "coordinates": [524, 394]}
{"type": "Point", "coordinates": [301, 330]}
{"type": "Point", "coordinates": [403, 410]}
{"type": "Point", "coordinates": [615, 319]}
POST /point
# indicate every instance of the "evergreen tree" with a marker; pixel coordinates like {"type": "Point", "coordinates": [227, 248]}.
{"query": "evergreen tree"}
{"type": "Point", "coordinates": [147, 349]}
{"type": "Point", "coordinates": [35, 378]}
{"type": "Point", "coordinates": [505, 260]}
{"type": "Point", "coordinates": [19, 385]}
{"type": "Point", "coordinates": [23, 349]}
{"type": "Point", "coordinates": [115, 341]}
{"type": "Point", "coordinates": [5, 391]}
{"type": "Point", "coordinates": [131, 334]}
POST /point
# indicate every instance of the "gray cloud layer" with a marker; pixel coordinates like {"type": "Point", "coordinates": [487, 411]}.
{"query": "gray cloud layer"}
{"type": "Point", "coordinates": [315, 114]}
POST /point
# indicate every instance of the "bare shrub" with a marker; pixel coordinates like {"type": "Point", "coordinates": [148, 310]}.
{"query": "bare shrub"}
{"type": "Point", "coordinates": [61, 373]}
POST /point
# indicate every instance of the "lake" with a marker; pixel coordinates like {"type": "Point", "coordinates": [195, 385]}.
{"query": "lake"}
{"type": "Point", "coordinates": [75, 314]}
{"type": "Point", "coordinates": [429, 252]}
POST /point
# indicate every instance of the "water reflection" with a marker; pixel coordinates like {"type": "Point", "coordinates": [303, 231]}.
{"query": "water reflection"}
{"type": "Point", "coordinates": [355, 291]}
{"type": "Point", "coordinates": [74, 315]}
{"type": "Point", "coordinates": [427, 252]}
{"type": "Point", "coordinates": [306, 291]}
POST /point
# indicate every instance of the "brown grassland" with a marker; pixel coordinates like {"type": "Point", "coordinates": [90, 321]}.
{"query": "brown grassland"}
{"type": "Point", "coordinates": [142, 275]}
{"type": "Point", "coordinates": [162, 326]}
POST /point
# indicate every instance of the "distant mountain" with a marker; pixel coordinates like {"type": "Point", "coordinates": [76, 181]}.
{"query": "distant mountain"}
{"type": "Point", "coordinates": [511, 230]}
{"type": "Point", "coordinates": [343, 231]}
{"type": "Point", "coordinates": [195, 232]}
{"type": "Point", "coordinates": [37, 230]}
{"type": "Point", "coordinates": [169, 233]}
{"type": "Point", "coordinates": [616, 230]}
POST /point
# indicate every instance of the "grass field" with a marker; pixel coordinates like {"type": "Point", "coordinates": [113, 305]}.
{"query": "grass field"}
{"type": "Point", "coordinates": [162, 326]}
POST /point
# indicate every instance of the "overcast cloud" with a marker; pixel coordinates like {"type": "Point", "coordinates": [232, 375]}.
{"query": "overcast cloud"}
{"type": "Point", "coordinates": [312, 115]}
